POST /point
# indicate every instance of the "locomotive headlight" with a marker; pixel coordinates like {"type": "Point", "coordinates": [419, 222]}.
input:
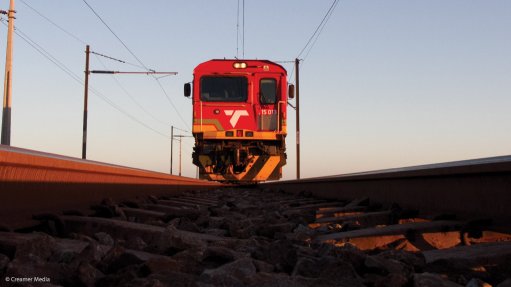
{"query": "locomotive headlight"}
{"type": "Point", "coordinates": [239, 65]}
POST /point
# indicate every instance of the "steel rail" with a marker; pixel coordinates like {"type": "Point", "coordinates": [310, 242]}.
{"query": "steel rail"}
{"type": "Point", "coordinates": [34, 182]}
{"type": "Point", "coordinates": [471, 189]}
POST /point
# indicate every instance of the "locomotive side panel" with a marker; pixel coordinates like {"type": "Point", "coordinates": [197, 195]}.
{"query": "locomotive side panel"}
{"type": "Point", "coordinates": [239, 120]}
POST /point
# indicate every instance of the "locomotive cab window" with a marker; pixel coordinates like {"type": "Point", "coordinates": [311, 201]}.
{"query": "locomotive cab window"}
{"type": "Point", "coordinates": [223, 89]}
{"type": "Point", "coordinates": [268, 91]}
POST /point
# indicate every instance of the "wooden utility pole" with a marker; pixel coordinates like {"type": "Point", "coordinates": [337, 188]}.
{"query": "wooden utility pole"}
{"type": "Point", "coordinates": [6, 115]}
{"type": "Point", "coordinates": [297, 64]}
{"type": "Point", "coordinates": [85, 103]}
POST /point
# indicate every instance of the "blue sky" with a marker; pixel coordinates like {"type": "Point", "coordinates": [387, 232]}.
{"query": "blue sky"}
{"type": "Point", "coordinates": [387, 84]}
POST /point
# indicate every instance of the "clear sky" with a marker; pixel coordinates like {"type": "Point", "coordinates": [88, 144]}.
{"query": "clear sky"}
{"type": "Point", "coordinates": [387, 84]}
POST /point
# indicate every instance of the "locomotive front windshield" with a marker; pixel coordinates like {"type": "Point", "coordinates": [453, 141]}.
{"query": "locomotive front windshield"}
{"type": "Point", "coordinates": [223, 89]}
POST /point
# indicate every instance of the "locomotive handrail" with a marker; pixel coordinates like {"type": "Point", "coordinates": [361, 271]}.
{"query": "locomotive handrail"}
{"type": "Point", "coordinates": [279, 116]}
{"type": "Point", "coordinates": [201, 116]}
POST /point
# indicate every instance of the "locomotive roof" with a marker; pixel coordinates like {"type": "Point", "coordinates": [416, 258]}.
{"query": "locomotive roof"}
{"type": "Point", "coordinates": [226, 64]}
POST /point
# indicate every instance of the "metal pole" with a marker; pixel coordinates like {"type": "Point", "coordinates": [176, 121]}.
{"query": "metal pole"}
{"type": "Point", "coordinates": [180, 139]}
{"type": "Point", "coordinates": [171, 146]}
{"type": "Point", "coordinates": [85, 103]}
{"type": "Point", "coordinates": [297, 63]}
{"type": "Point", "coordinates": [6, 115]}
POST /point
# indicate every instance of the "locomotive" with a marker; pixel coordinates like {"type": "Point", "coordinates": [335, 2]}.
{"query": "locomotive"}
{"type": "Point", "coordinates": [239, 119]}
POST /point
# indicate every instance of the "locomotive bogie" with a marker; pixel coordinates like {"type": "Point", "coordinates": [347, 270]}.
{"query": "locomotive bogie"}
{"type": "Point", "coordinates": [239, 161]}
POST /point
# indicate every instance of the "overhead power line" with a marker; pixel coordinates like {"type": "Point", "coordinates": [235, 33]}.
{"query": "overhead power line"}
{"type": "Point", "coordinates": [138, 60]}
{"type": "Point", "coordinates": [120, 61]}
{"type": "Point", "coordinates": [170, 101]}
{"type": "Point", "coordinates": [53, 23]}
{"type": "Point", "coordinates": [113, 33]}
{"type": "Point", "coordinates": [318, 30]}
{"type": "Point", "coordinates": [237, 30]}
{"type": "Point", "coordinates": [243, 39]}
{"type": "Point", "coordinates": [78, 79]}
{"type": "Point", "coordinates": [131, 96]}
{"type": "Point", "coordinates": [61, 66]}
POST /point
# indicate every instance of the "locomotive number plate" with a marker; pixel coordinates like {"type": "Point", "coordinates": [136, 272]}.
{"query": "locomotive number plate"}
{"type": "Point", "coordinates": [268, 112]}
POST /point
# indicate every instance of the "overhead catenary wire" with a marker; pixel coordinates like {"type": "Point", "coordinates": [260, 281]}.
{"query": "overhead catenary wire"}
{"type": "Point", "coordinates": [328, 15]}
{"type": "Point", "coordinates": [118, 60]}
{"type": "Point", "coordinates": [78, 79]}
{"type": "Point", "coordinates": [138, 60]}
{"type": "Point", "coordinates": [78, 38]}
{"type": "Point", "coordinates": [131, 96]}
{"type": "Point", "coordinates": [115, 35]}
{"type": "Point", "coordinates": [176, 128]}
{"type": "Point", "coordinates": [242, 29]}
{"type": "Point", "coordinates": [167, 96]}
{"type": "Point", "coordinates": [42, 51]}
{"type": "Point", "coordinates": [237, 30]}
{"type": "Point", "coordinates": [315, 36]}
{"type": "Point", "coordinates": [53, 23]}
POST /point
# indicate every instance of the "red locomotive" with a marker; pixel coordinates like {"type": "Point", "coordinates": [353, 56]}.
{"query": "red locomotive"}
{"type": "Point", "coordinates": [239, 119]}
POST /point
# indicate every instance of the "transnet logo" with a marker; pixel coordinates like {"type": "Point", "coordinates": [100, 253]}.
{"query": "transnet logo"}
{"type": "Point", "coordinates": [235, 115]}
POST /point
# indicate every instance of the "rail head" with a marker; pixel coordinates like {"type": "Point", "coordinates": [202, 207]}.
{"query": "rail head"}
{"type": "Point", "coordinates": [34, 182]}
{"type": "Point", "coordinates": [478, 188]}
{"type": "Point", "coordinates": [23, 165]}
{"type": "Point", "coordinates": [499, 164]}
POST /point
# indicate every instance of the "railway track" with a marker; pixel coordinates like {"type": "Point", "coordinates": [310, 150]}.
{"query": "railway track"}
{"type": "Point", "coordinates": [181, 232]}
{"type": "Point", "coordinates": [35, 181]}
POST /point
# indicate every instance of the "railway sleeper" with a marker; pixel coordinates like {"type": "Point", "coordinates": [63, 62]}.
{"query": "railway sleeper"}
{"type": "Point", "coordinates": [315, 206]}
{"type": "Point", "coordinates": [325, 211]}
{"type": "Point", "coordinates": [185, 202]}
{"type": "Point", "coordinates": [305, 202]}
{"type": "Point", "coordinates": [196, 200]}
{"type": "Point", "coordinates": [41, 244]}
{"type": "Point", "coordinates": [273, 244]}
{"type": "Point", "coordinates": [423, 235]}
{"type": "Point", "coordinates": [368, 218]}
{"type": "Point", "coordinates": [144, 215]}
{"type": "Point", "coordinates": [177, 203]}
{"type": "Point", "coordinates": [192, 213]}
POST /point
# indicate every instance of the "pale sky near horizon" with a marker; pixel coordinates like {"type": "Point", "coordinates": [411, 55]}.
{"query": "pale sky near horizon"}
{"type": "Point", "coordinates": [387, 84]}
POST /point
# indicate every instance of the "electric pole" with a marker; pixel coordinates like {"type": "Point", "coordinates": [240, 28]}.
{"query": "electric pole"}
{"type": "Point", "coordinates": [180, 139]}
{"type": "Point", "coordinates": [171, 146]}
{"type": "Point", "coordinates": [297, 64]}
{"type": "Point", "coordinates": [85, 103]}
{"type": "Point", "coordinates": [6, 114]}
{"type": "Point", "coordinates": [86, 93]}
